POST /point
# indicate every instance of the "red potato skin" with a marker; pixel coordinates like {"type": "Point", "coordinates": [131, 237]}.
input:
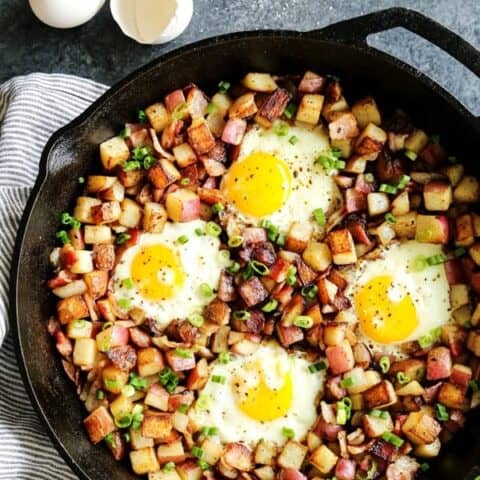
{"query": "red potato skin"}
{"type": "Point", "coordinates": [311, 83]}
{"type": "Point", "coordinates": [461, 376]}
{"type": "Point", "coordinates": [174, 99]}
{"type": "Point", "coordinates": [120, 336]}
{"type": "Point", "coordinates": [63, 344]}
{"type": "Point", "coordinates": [355, 200]}
{"type": "Point", "coordinates": [326, 431]}
{"type": "Point", "coordinates": [140, 338]}
{"type": "Point", "coordinates": [439, 364]}
{"type": "Point", "coordinates": [179, 364]}
{"type": "Point", "coordinates": [291, 474]}
{"type": "Point", "coordinates": [64, 277]}
{"type": "Point", "coordinates": [99, 424]}
{"type": "Point", "coordinates": [345, 469]}
{"type": "Point", "coordinates": [234, 131]}
{"type": "Point", "coordinates": [340, 358]}
{"type": "Point", "coordinates": [289, 335]}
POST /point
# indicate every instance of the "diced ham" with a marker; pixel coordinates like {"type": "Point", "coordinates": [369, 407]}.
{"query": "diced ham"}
{"type": "Point", "coordinates": [404, 468]}
{"type": "Point", "coordinates": [311, 83]}
{"type": "Point", "coordinates": [345, 469]}
{"type": "Point", "coordinates": [273, 107]}
{"type": "Point", "coordinates": [279, 270]}
{"type": "Point", "coordinates": [252, 292]}
{"type": "Point", "coordinates": [226, 289]}
{"type": "Point", "coordinates": [253, 235]}
{"type": "Point", "coordinates": [140, 338]}
{"type": "Point", "coordinates": [174, 100]}
{"type": "Point", "coordinates": [265, 253]}
{"type": "Point", "coordinates": [343, 126]}
{"type": "Point", "coordinates": [333, 389]}
{"type": "Point", "coordinates": [383, 450]}
{"type": "Point", "coordinates": [355, 200]}
{"type": "Point", "coordinates": [340, 358]}
{"type": "Point", "coordinates": [123, 357]}
{"type": "Point", "coordinates": [289, 335]}
{"type": "Point", "coordinates": [234, 131]}
{"type": "Point", "coordinates": [291, 474]}
{"type": "Point", "coordinates": [325, 430]}
{"type": "Point", "coordinates": [439, 363]}
{"type": "Point", "coordinates": [63, 344]}
{"type": "Point", "coordinates": [64, 277]}
{"type": "Point", "coordinates": [454, 272]}
{"type": "Point", "coordinates": [179, 363]}
{"type": "Point", "coordinates": [431, 393]}
{"type": "Point", "coordinates": [461, 375]}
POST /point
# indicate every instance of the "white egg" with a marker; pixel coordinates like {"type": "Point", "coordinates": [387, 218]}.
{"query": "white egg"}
{"type": "Point", "coordinates": [152, 21]}
{"type": "Point", "coordinates": [65, 13]}
{"type": "Point", "coordinates": [164, 274]}
{"type": "Point", "coordinates": [394, 300]}
{"type": "Point", "coordinates": [259, 396]}
{"type": "Point", "coordinates": [277, 179]}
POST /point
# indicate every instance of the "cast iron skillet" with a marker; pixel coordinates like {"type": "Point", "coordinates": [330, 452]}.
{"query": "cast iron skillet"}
{"type": "Point", "coordinates": [340, 49]}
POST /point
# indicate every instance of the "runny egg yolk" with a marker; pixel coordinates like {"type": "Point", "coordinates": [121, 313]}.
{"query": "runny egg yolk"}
{"type": "Point", "coordinates": [157, 272]}
{"type": "Point", "coordinates": [381, 318]}
{"type": "Point", "coordinates": [262, 402]}
{"type": "Point", "coordinates": [258, 185]}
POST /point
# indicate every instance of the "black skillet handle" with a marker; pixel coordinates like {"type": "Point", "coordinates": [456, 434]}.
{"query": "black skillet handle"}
{"type": "Point", "coordinates": [356, 30]}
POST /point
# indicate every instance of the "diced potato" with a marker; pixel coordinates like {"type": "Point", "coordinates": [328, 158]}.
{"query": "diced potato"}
{"type": "Point", "coordinates": [432, 229]}
{"type": "Point", "coordinates": [265, 453]}
{"type": "Point", "coordinates": [370, 140]}
{"type": "Point", "coordinates": [345, 145]}
{"type": "Point", "coordinates": [79, 329]}
{"type": "Point", "coordinates": [411, 388]}
{"type": "Point", "coordinates": [378, 203]}
{"type": "Point", "coordinates": [437, 196]}
{"type": "Point", "coordinates": [189, 470]}
{"type": "Point", "coordinates": [121, 406]}
{"type": "Point", "coordinates": [476, 316]}
{"type": "Point", "coordinates": [323, 459]}
{"type": "Point", "coordinates": [360, 381]}
{"type": "Point", "coordinates": [375, 427]}
{"type": "Point", "coordinates": [154, 217]}
{"type": "Point", "coordinates": [171, 452]}
{"type": "Point", "coordinates": [114, 152]}
{"type": "Point", "coordinates": [144, 461]}
{"type": "Point", "coordinates": [97, 283]}
{"type": "Point", "coordinates": [157, 425]}
{"type": "Point", "coordinates": [416, 141]}
{"type": "Point", "coordinates": [212, 451]}
{"type": "Point", "coordinates": [430, 450]}
{"type": "Point", "coordinates": [310, 108]}
{"type": "Point", "coordinates": [330, 108]}
{"type": "Point", "coordinates": [130, 178]}
{"type": "Point", "coordinates": [334, 333]}
{"type": "Point", "coordinates": [401, 204]}
{"type": "Point", "coordinates": [474, 252]}
{"type": "Point", "coordinates": [406, 225]}
{"type": "Point", "coordinates": [366, 111]}
{"type": "Point", "coordinates": [385, 233]}
{"type": "Point", "coordinates": [114, 379]}
{"type": "Point", "coordinates": [83, 209]}
{"type": "Point", "coordinates": [317, 256]}
{"type": "Point", "coordinates": [97, 234]}
{"type": "Point", "coordinates": [421, 428]}
{"type": "Point", "coordinates": [380, 396]}
{"type": "Point", "coordinates": [131, 214]}
{"type": "Point", "coordinates": [259, 82]}
{"type": "Point", "coordinates": [265, 473]}
{"type": "Point", "coordinates": [243, 107]}
{"type": "Point", "coordinates": [342, 247]}
{"type": "Point", "coordinates": [149, 361]}
{"type": "Point", "coordinates": [84, 352]}
{"type": "Point", "coordinates": [138, 441]}
{"type": "Point", "coordinates": [459, 295]}
{"type": "Point", "coordinates": [97, 183]}
{"type": "Point", "coordinates": [84, 262]}
{"type": "Point", "coordinates": [71, 308]}
{"type": "Point", "coordinates": [183, 205]}
{"type": "Point", "coordinates": [164, 475]}
{"type": "Point", "coordinates": [99, 424]}
{"type": "Point", "coordinates": [298, 236]}
{"type": "Point", "coordinates": [468, 190]}
{"type": "Point", "coordinates": [158, 116]}
{"type": "Point", "coordinates": [222, 103]}
{"type": "Point", "coordinates": [292, 455]}
{"type": "Point", "coordinates": [163, 174]}
{"type": "Point", "coordinates": [464, 234]}
{"type": "Point", "coordinates": [200, 137]}
{"type": "Point", "coordinates": [473, 342]}
{"type": "Point", "coordinates": [116, 193]}
{"type": "Point", "coordinates": [184, 155]}
{"type": "Point", "coordinates": [454, 173]}
{"type": "Point", "coordinates": [107, 212]}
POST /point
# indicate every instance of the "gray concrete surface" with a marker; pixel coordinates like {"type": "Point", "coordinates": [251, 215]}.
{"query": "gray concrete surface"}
{"type": "Point", "coordinates": [100, 51]}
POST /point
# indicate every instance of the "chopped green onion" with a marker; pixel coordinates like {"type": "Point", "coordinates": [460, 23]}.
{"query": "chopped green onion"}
{"type": "Point", "coordinates": [424, 467]}
{"type": "Point", "coordinates": [217, 207]}
{"type": "Point", "coordinates": [378, 413]}
{"type": "Point", "coordinates": [410, 154]}
{"type": "Point", "coordinates": [219, 379]}
{"type": "Point", "coordinates": [303, 321]}
{"type": "Point", "coordinates": [386, 188]}
{"type": "Point", "coordinates": [259, 267]}
{"type": "Point", "coordinates": [317, 367]}
{"type": "Point", "coordinates": [347, 382]}
{"type": "Point", "coordinates": [203, 402]}
{"type": "Point", "coordinates": [211, 107]}
{"type": "Point", "coordinates": [329, 159]}
{"type": "Point", "coordinates": [127, 283]}
{"type": "Point", "coordinates": [403, 182]}
{"type": "Point", "coordinates": [270, 306]}
{"type": "Point", "coordinates": [68, 220]}
{"type": "Point", "coordinates": [390, 218]}
{"type": "Point", "coordinates": [291, 275]}
{"type": "Point", "coordinates": [197, 452]}
{"type": "Point", "coordinates": [107, 325]}
{"type": "Point", "coordinates": [142, 117]}
{"type": "Point", "coordinates": [127, 437]}
{"type": "Point", "coordinates": [122, 238]}
{"type": "Point", "coordinates": [185, 181]}
{"type": "Point", "coordinates": [168, 379]}
{"type": "Point", "coordinates": [344, 410]}
{"type": "Point", "coordinates": [138, 383]}
{"type": "Point", "coordinates": [288, 433]}
{"type": "Point", "coordinates": [196, 319]}
{"type": "Point", "coordinates": [234, 267]}
{"type": "Point", "coordinates": [62, 235]}
{"type": "Point", "coordinates": [281, 238]}
{"type": "Point", "coordinates": [453, 160]}
{"type": "Point", "coordinates": [206, 290]}
{"type": "Point", "coordinates": [460, 251]}
{"type": "Point", "coordinates": [149, 161]}
{"type": "Point", "coordinates": [183, 352]}
{"type": "Point", "coordinates": [126, 132]}
{"type": "Point", "coordinates": [182, 408]}
{"type": "Point", "coordinates": [241, 315]}
{"type": "Point", "coordinates": [393, 439]}
{"type": "Point", "coordinates": [402, 378]}
{"type": "Point", "coordinates": [290, 110]}
{"type": "Point", "coordinates": [209, 431]}
{"type": "Point", "coordinates": [224, 357]}
{"type": "Point", "coordinates": [213, 229]}
{"type": "Point", "coordinates": [128, 391]}
{"type": "Point", "coordinates": [436, 259]}
{"type": "Point", "coordinates": [441, 412]}
{"type": "Point", "coordinates": [182, 239]}
{"type": "Point", "coordinates": [109, 440]}
{"type": "Point", "coordinates": [235, 241]}
{"type": "Point", "coordinates": [474, 385]}
{"type": "Point", "coordinates": [132, 165]}
{"type": "Point", "coordinates": [319, 216]}
{"type": "Point", "coordinates": [309, 291]}
{"type": "Point", "coordinates": [369, 177]}
{"type": "Point", "coordinates": [179, 111]}
{"type": "Point", "coordinates": [419, 263]}
{"type": "Point", "coordinates": [124, 303]}
{"type": "Point", "coordinates": [384, 364]}
{"type": "Point", "coordinates": [124, 422]}
{"type": "Point", "coordinates": [224, 86]}
{"type": "Point", "coordinates": [203, 464]}
{"type": "Point", "coordinates": [100, 394]}
{"type": "Point", "coordinates": [430, 338]}
{"type": "Point", "coordinates": [293, 140]}
{"type": "Point", "coordinates": [168, 467]}
{"type": "Point", "coordinates": [280, 128]}
{"type": "Point", "coordinates": [199, 232]}
{"type": "Point", "coordinates": [81, 180]}
{"type": "Point", "coordinates": [224, 255]}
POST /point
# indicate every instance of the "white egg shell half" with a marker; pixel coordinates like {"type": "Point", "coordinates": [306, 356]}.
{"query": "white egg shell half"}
{"type": "Point", "coordinates": [65, 13]}
{"type": "Point", "coordinates": [222, 409]}
{"type": "Point", "coordinates": [152, 21]}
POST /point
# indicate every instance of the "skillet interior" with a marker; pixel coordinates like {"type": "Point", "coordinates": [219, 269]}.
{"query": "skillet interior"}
{"type": "Point", "coordinates": [73, 153]}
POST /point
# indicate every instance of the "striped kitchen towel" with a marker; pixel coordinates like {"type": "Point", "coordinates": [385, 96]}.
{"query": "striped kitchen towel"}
{"type": "Point", "coordinates": [31, 109]}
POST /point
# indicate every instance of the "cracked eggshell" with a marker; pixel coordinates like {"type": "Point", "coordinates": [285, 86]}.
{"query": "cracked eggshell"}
{"type": "Point", "coordinates": [152, 21]}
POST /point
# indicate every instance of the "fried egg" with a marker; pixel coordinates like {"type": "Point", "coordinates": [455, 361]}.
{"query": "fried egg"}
{"type": "Point", "coordinates": [393, 301]}
{"type": "Point", "coordinates": [164, 272]}
{"type": "Point", "coordinates": [276, 179]}
{"type": "Point", "coordinates": [263, 395]}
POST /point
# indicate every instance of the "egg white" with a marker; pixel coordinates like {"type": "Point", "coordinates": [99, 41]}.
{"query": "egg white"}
{"type": "Point", "coordinates": [428, 289]}
{"type": "Point", "coordinates": [311, 186]}
{"type": "Point", "coordinates": [233, 424]}
{"type": "Point", "coordinates": [201, 262]}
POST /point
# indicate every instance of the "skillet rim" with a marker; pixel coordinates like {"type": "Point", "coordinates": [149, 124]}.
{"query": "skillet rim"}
{"type": "Point", "coordinates": [56, 138]}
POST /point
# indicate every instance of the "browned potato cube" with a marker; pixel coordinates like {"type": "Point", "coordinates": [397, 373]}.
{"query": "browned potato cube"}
{"type": "Point", "coordinates": [371, 140]}
{"type": "Point", "coordinates": [310, 108]}
{"type": "Point", "coordinates": [454, 173]}
{"type": "Point", "coordinates": [114, 152]}
{"type": "Point", "coordinates": [323, 459]}
{"type": "Point", "coordinates": [114, 379]}
{"type": "Point", "coordinates": [473, 342]}
{"type": "Point", "coordinates": [366, 111]}
{"type": "Point", "coordinates": [163, 174]}
{"type": "Point", "coordinates": [149, 361]}
{"type": "Point", "coordinates": [184, 155]}
{"type": "Point", "coordinates": [468, 190]}
{"type": "Point", "coordinates": [416, 141]}
{"type": "Point", "coordinates": [401, 204]}
{"type": "Point", "coordinates": [99, 424]}
{"type": "Point", "coordinates": [375, 427]}
{"type": "Point", "coordinates": [107, 212]}
{"type": "Point", "coordinates": [183, 205]}
{"type": "Point", "coordinates": [200, 137]}
{"type": "Point", "coordinates": [464, 234]}
{"type": "Point", "coordinates": [292, 455]}
{"type": "Point", "coordinates": [116, 193]}
{"type": "Point", "coordinates": [84, 352]}
{"type": "Point", "coordinates": [157, 425]}
{"type": "Point", "coordinates": [71, 308]}
{"type": "Point", "coordinates": [342, 247]}
{"type": "Point", "coordinates": [97, 183]}
{"type": "Point", "coordinates": [298, 236]}
{"type": "Point", "coordinates": [265, 453]}
{"type": "Point", "coordinates": [171, 452]}
{"type": "Point", "coordinates": [380, 396]}
{"type": "Point", "coordinates": [317, 256]}
{"type": "Point", "coordinates": [421, 428]}
{"type": "Point", "coordinates": [144, 461]}
{"type": "Point", "coordinates": [131, 214]}
{"type": "Point", "coordinates": [154, 217]}
{"type": "Point", "coordinates": [130, 178]}
{"type": "Point", "coordinates": [243, 107]}
{"type": "Point", "coordinates": [437, 196]}
{"type": "Point", "coordinates": [265, 473]}
{"type": "Point", "coordinates": [459, 295]}
{"type": "Point", "coordinates": [259, 82]}
{"type": "Point", "coordinates": [378, 203]}
{"type": "Point", "coordinates": [430, 450]}
{"type": "Point", "coordinates": [97, 282]}
{"type": "Point", "coordinates": [94, 234]}
{"type": "Point", "coordinates": [212, 451]}
{"type": "Point", "coordinates": [406, 225]}
{"type": "Point", "coordinates": [83, 209]}
{"type": "Point", "coordinates": [158, 116]}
